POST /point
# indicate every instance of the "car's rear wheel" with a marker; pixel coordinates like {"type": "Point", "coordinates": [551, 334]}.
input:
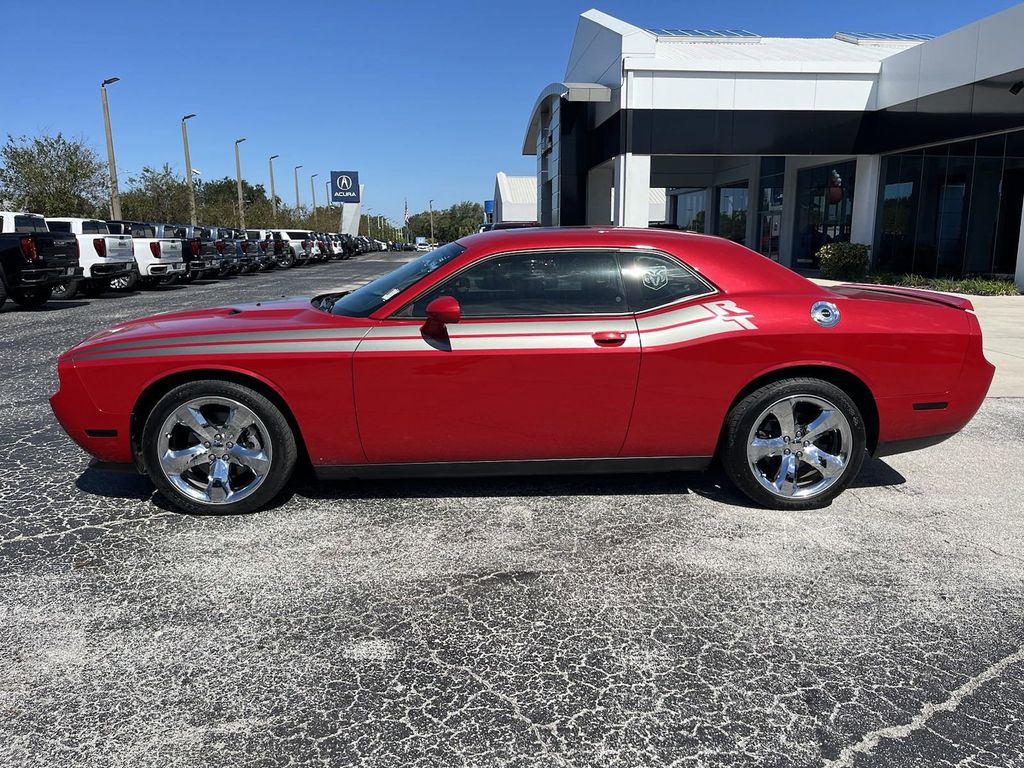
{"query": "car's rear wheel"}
{"type": "Point", "coordinates": [216, 447]}
{"type": "Point", "coordinates": [66, 290]}
{"type": "Point", "coordinates": [125, 283]}
{"type": "Point", "coordinates": [794, 444]}
{"type": "Point", "coordinates": [32, 298]}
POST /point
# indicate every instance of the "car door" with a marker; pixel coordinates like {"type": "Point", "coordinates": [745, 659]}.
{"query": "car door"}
{"type": "Point", "coordinates": [542, 365]}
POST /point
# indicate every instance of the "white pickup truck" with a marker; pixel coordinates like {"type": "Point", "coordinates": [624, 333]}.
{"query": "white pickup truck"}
{"type": "Point", "coordinates": [156, 259]}
{"type": "Point", "coordinates": [101, 255]}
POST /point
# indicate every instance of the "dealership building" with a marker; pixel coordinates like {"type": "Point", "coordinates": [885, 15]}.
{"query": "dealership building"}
{"type": "Point", "coordinates": [910, 144]}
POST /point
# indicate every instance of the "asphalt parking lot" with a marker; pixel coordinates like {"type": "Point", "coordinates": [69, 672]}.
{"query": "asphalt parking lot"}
{"type": "Point", "coordinates": [626, 621]}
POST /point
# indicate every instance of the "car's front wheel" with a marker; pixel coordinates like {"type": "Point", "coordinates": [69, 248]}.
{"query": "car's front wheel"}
{"type": "Point", "coordinates": [216, 447]}
{"type": "Point", "coordinates": [794, 444]}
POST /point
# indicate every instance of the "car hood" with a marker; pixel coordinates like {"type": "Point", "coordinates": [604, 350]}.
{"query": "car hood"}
{"type": "Point", "coordinates": [278, 320]}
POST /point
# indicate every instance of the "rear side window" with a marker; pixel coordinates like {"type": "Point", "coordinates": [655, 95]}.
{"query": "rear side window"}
{"type": "Point", "coordinates": [653, 280]}
{"type": "Point", "coordinates": [534, 285]}
{"type": "Point", "coordinates": [143, 230]}
{"type": "Point", "coordinates": [60, 226]}
{"type": "Point", "coordinates": [94, 228]}
{"type": "Point", "coordinates": [30, 224]}
{"type": "Point", "coordinates": [297, 235]}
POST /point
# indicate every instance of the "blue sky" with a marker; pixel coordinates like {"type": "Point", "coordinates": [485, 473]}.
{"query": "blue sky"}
{"type": "Point", "coordinates": [425, 100]}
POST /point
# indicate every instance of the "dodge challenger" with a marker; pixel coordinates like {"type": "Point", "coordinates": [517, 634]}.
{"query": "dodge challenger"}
{"type": "Point", "coordinates": [533, 351]}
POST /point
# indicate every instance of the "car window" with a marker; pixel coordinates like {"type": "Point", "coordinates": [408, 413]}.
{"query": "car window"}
{"type": "Point", "coordinates": [297, 235]}
{"type": "Point", "coordinates": [60, 226]}
{"type": "Point", "coordinates": [94, 227]}
{"type": "Point", "coordinates": [143, 230]}
{"type": "Point", "coordinates": [364, 301]}
{"type": "Point", "coordinates": [30, 224]}
{"type": "Point", "coordinates": [534, 284]}
{"type": "Point", "coordinates": [653, 280]}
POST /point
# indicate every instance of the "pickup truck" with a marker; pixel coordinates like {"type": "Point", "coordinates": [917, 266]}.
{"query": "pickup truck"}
{"type": "Point", "coordinates": [101, 255]}
{"type": "Point", "coordinates": [156, 259]}
{"type": "Point", "coordinates": [224, 241]}
{"type": "Point", "coordinates": [33, 260]}
{"type": "Point", "coordinates": [236, 239]}
{"type": "Point", "coordinates": [260, 245]}
{"type": "Point", "coordinates": [292, 248]}
{"type": "Point", "coordinates": [199, 254]}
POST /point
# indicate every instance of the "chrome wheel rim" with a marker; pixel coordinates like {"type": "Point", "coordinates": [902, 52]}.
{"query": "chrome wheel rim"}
{"type": "Point", "coordinates": [799, 446]}
{"type": "Point", "coordinates": [214, 450]}
{"type": "Point", "coordinates": [119, 282]}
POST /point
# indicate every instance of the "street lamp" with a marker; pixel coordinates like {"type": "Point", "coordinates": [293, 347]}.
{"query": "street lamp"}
{"type": "Point", "coordinates": [431, 222]}
{"type": "Point", "coordinates": [188, 170]}
{"type": "Point", "coordinates": [238, 178]}
{"type": "Point", "coordinates": [115, 199]}
{"type": "Point", "coordinates": [273, 192]}
{"type": "Point", "coordinates": [298, 205]}
{"type": "Point", "coordinates": [312, 192]}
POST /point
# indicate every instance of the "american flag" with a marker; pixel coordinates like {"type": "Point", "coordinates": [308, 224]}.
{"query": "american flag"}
{"type": "Point", "coordinates": [406, 211]}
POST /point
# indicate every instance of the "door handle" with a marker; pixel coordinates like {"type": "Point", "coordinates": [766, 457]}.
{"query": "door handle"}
{"type": "Point", "coordinates": [609, 338]}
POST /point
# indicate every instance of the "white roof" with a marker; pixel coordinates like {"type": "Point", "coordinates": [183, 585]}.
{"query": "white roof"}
{"type": "Point", "coordinates": [766, 54]}
{"type": "Point", "coordinates": [517, 190]}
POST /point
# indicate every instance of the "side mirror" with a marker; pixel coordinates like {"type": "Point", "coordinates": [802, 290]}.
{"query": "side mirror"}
{"type": "Point", "coordinates": [440, 312]}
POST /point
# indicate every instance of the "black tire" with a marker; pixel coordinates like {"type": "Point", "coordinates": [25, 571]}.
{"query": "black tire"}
{"type": "Point", "coordinates": [93, 288]}
{"type": "Point", "coordinates": [3, 291]}
{"type": "Point", "coordinates": [739, 426]}
{"type": "Point", "coordinates": [66, 290]}
{"type": "Point", "coordinates": [284, 452]}
{"type": "Point", "coordinates": [32, 298]}
{"type": "Point", "coordinates": [125, 283]}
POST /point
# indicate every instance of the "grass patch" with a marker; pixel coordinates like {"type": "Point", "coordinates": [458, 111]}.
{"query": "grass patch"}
{"type": "Point", "coordinates": [974, 286]}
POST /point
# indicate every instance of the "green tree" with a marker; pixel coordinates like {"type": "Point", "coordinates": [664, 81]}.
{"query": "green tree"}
{"type": "Point", "coordinates": [450, 224]}
{"type": "Point", "coordinates": [53, 176]}
{"type": "Point", "coordinates": [156, 195]}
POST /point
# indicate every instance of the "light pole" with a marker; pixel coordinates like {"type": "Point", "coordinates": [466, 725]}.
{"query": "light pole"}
{"type": "Point", "coordinates": [273, 192]}
{"type": "Point", "coordinates": [312, 193]}
{"type": "Point", "coordinates": [188, 170]}
{"type": "Point", "coordinates": [238, 178]}
{"type": "Point", "coordinates": [298, 204]}
{"type": "Point", "coordinates": [115, 199]}
{"type": "Point", "coordinates": [431, 222]}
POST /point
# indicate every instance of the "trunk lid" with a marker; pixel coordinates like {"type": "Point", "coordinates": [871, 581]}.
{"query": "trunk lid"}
{"type": "Point", "coordinates": [902, 295]}
{"type": "Point", "coordinates": [54, 250]}
{"type": "Point", "coordinates": [119, 247]}
{"type": "Point", "coordinates": [170, 249]}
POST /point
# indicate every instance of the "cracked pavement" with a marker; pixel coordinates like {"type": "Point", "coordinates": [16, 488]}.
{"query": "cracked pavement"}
{"type": "Point", "coordinates": [618, 621]}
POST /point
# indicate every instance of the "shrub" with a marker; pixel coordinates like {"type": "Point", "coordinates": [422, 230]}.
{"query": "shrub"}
{"type": "Point", "coordinates": [843, 261]}
{"type": "Point", "coordinates": [975, 286]}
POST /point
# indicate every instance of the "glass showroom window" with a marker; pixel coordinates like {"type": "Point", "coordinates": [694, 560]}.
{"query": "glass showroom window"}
{"type": "Point", "coordinates": [769, 205]}
{"type": "Point", "coordinates": [824, 210]}
{"type": "Point", "coordinates": [691, 209]}
{"type": "Point", "coordinates": [732, 212]}
{"type": "Point", "coordinates": [952, 209]}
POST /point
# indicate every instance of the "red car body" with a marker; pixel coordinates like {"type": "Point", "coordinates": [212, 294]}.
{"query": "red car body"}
{"type": "Point", "coordinates": [376, 392]}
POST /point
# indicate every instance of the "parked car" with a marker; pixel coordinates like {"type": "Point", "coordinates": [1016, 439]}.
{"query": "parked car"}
{"type": "Point", "coordinates": [156, 259]}
{"type": "Point", "coordinates": [296, 247]}
{"type": "Point", "coordinates": [224, 242]}
{"type": "Point", "coordinates": [688, 347]}
{"type": "Point", "coordinates": [260, 247]}
{"type": "Point", "coordinates": [101, 255]}
{"type": "Point", "coordinates": [202, 259]}
{"type": "Point", "coordinates": [34, 260]}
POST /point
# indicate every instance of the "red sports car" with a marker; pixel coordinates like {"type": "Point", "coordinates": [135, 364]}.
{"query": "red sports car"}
{"type": "Point", "coordinates": [534, 351]}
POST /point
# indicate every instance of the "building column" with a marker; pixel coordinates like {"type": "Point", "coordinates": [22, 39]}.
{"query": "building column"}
{"type": "Point", "coordinates": [865, 200]}
{"type": "Point", "coordinates": [789, 180]}
{"type": "Point", "coordinates": [1019, 275]}
{"type": "Point", "coordinates": [631, 201]}
{"type": "Point", "coordinates": [753, 203]}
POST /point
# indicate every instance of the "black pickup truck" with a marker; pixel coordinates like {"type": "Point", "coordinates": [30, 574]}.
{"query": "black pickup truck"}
{"type": "Point", "coordinates": [33, 260]}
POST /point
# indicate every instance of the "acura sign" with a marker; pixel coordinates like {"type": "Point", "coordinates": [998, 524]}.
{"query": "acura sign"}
{"type": "Point", "coordinates": [344, 186]}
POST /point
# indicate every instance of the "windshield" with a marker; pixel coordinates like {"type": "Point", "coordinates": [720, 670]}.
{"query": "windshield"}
{"type": "Point", "coordinates": [364, 301]}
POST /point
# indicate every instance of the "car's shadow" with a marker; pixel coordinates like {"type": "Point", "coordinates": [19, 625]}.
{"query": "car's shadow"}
{"type": "Point", "coordinates": [711, 484]}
